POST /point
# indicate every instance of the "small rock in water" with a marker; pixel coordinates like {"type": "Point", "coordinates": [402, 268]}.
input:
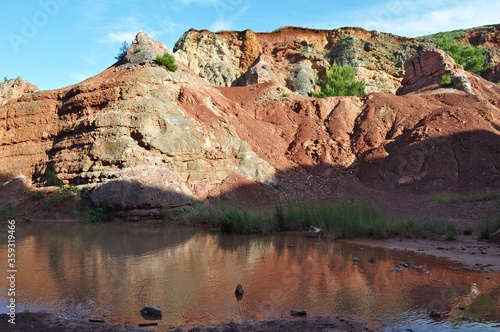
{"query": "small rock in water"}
{"type": "Point", "coordinates": [316, 231]}
{"type": "Point", "coordinates": [427, 272]}
{"type": "Point", "coordinates": [435, 314]}
{"type": "Point", "coordinates": [151, 311]}
{"type": "Point", "coordinates": [299, 313]}
{"type": "Point", "coordinates": [239, 291]}
{"type": "Point", "coordinates": [466, 318]}
{"type": "Point", "coordinates": [355, 259]}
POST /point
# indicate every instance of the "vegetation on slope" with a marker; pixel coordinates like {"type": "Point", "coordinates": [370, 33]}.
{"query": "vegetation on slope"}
{"type": "Point", "coordinates": [472, 58]}
{"type": "Point", "coordinates": [340, 81]}
{"type": "Point", "coordinates": [167, 60]}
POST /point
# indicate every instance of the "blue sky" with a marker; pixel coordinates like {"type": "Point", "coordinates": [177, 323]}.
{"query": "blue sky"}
{"type": "Point", "coordinates": [55, 43]}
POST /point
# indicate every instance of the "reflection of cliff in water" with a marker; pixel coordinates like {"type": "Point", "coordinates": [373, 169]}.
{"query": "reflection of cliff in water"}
{"type": "Point", "coordinates": [112, 270]}
{"type": "Point", "coordinates": [115, 238]}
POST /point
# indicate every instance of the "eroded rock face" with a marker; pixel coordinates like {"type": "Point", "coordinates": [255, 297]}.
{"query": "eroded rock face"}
{"type": "Point", "coordinates": [427, 69]}
{"type": "Point", "coordinates": [259, 72]}
{"type": "Point", "coordinates": [210, 57]}
{"type": "Point", "coordinates": [141, 137]}
{"type": "Point", "coordinates": [15, 88]}
{"type": "Point", "coordinates": [296, 56]}
{"type": "Point", "coordinates": [126, 133]}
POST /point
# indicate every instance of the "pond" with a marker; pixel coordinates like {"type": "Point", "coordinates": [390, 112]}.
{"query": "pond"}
{"type": "Point", "coordinates": [111, 270]}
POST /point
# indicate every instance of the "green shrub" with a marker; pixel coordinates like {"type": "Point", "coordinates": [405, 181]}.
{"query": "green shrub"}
{"type": "Point", "coordinates": [487, 227]}
{"type": "Point", "coordinates": [340, 81]}
{"type": "Point", "coordinates": [7, 211]}
{"type": "Point", "coordinates": [122, 52]}
{"type": "Point", "coordinates": [473, 59]}
{"type": "Point", "coordinates": [52, 179]}
{"type": "Point", "coordinates": [445, 81]}
{"type": "Point", "coordinates": [70, 190]}
{"type": "Point", "coordinates": [167, 60]}
{"type": "Point", "coordinates": [5, 79]}
{"type": "Point", "coordinates": [39, 195]}
{"type": "Point", "coordinates": [96, 214]}
{"type": "Point", "coordinates": [468, 231]}
{"type": "Point", "coordinates": [138, 49]}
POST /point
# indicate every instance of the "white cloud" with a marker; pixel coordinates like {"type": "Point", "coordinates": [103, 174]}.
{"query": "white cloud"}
{"type": "Point", "coordinates": [90, 59]}
{"type": "Point", "coordinates": [220, 24]}
{"type": "Point", "coordinates": [201, 2]}
{"type": "Point", "coordinates": [412, 18]}
{"type": "Point", "coordinates": [227, 16]}
{"type": "Point", "coordinates": [113, 37]}
{"type": "Point", "coordinates": [79, 76]}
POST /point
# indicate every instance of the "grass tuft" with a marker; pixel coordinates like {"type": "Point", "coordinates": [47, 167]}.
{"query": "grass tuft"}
{"type": "Point", "coordinates": [346, 220]}
{"type": "Point", "coordinates": [487, 227]}
{"type": "Point", "coordinates": [460, 198]}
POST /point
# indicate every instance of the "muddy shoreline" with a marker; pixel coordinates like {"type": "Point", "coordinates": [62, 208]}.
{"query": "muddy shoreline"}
{"type": "Point", "coordinates": [468, 251]}
{"type": "Point", "coordinates": [34, 322]}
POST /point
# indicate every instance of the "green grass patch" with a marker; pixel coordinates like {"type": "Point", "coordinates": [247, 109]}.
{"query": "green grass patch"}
{"type": "Point", "coordinates": [445, 81]}
{"type": "Point", "coordinates": [425, 229]}
{"type": "Point", "coordinates": [346, 220]}
{"type": "Point", "coordinates": [488, 227]}
{"type": "Point", "coordinates": [460, 198]}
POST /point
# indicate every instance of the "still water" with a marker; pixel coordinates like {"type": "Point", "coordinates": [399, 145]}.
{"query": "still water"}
{"type": "Point", "coordinates": [110, 271]}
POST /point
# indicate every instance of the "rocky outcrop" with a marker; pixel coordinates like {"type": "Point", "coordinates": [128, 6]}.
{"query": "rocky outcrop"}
{"type": "Point", "coordinates": [297, 56]}
{"type": "Point", "coordinates": [139, 137]}
{"type": "Point", "coordinates": [427, 69]}
{"type": "Point", "coordinates": [142, 51]}
{"type": "Point", "coordinates": [133, 133]}
{"type": "Point", "coordinates": [210, 57]}
{"type": "Point", "coordinates": [259, 72]}
{"type": "Point", "coordinates": [15, 88]}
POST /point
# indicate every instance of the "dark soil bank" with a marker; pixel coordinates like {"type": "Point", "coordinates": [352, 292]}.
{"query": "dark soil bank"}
{"type": "Point", "coordinates": [41, 322]}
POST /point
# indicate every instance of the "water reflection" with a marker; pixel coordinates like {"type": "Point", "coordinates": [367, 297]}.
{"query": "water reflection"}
{"type": "Point", "coordinates": [111, 270]}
